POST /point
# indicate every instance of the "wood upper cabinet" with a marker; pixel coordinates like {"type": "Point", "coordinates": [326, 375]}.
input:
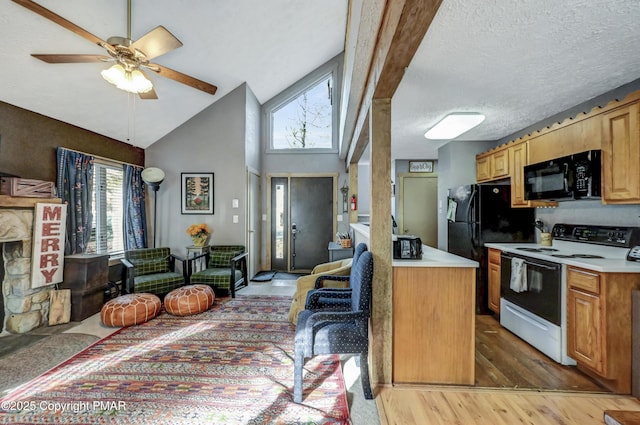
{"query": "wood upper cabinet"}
{"type": "Point", "coordinates": [621, 155]}
{"type": "Point", "coordinates": [492, 165]}
{"type": "Point", "coordinates": [483, 171]}
{"type": "Point", "coordinates": [494, 280]}
{"type": "Point", "coordinates": [579, 136]}
{"type": "Point", "coordinates": [599, 325]}
{"type": "Point", "coordinates": [519, 154]}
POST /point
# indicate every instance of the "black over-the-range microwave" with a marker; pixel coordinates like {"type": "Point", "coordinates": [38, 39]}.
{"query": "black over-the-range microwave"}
{"type": "Point", "coordinates": [575, 176]}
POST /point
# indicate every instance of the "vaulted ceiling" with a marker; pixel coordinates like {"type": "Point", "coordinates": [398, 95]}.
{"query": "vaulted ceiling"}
{"type": "Point", "coordinates": [517, 61]}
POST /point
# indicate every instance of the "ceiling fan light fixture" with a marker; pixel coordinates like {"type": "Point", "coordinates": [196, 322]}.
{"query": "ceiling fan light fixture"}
{"type": "Point", "coordinates": [453, 125]}
{"type": "Point", "coordinates": [130, 81]}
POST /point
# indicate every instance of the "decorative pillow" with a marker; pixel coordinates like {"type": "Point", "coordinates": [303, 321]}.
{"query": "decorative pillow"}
{"type": "Point", "coordinates": [222, 258]}
{"type": "Point", "coordinates": [153, 265]}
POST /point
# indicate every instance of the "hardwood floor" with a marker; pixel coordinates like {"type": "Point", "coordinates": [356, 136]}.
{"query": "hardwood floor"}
{"type": "Point", "coordinates": [515, 384]}
{"type": "Point", "coordinates": [483, 406]}
{"type": "Point", "coordinates": [505, 361]}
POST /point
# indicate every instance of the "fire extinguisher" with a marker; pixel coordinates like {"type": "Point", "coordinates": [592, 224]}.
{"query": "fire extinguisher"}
{"type": "Point", "coordinates": [354, 203]}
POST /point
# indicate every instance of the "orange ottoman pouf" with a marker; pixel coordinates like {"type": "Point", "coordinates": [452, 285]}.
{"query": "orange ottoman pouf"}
{"type": "Point", "coordinates": [190, 299]}
{"type": "Point", "coordinates": [130, 309]}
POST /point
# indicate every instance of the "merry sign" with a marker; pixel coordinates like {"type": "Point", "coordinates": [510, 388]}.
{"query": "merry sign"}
{"type": "Point", "coordinates": [47, 260]}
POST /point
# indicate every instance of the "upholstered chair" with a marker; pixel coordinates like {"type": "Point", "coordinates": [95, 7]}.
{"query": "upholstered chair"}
{"type": "Point", "coordinates": [152, 270]}
{"type": "Point", "coordinates": [322, 298]}
{"type": "Point", "coordinates": [226, 268]}
{"type": "Point", "coordinates": [338, 332]}
{"type": "Point", "coordinates": [306, 283]}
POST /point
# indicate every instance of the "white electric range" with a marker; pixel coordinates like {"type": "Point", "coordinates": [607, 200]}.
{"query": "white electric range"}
{"type": "Point", "coordinates": [533, 279]}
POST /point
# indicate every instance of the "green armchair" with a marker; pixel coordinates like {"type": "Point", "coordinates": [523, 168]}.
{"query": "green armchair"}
{"type": "Point", "coordinates": [152, 270]}
{"type": "Point", "coordinates": [226, 268]}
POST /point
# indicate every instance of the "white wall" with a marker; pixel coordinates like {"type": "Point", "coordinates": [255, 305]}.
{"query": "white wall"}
{"type": "Point", "coordinates": [212, 141]}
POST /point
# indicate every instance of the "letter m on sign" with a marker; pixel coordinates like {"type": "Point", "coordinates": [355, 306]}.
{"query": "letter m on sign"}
{"type": "Point", "coordinates": [47, 259]}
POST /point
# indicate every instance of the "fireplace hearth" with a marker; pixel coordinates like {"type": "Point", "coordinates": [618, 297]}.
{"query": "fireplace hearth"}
{"type": "Point", "coordinates": [23, 308]}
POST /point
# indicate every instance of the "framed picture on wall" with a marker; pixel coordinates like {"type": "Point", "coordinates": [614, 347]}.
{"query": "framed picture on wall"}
{"type": "Point", "coordinates": [421, 166]}
{"type": "Point", "coordinates": [197, 193]}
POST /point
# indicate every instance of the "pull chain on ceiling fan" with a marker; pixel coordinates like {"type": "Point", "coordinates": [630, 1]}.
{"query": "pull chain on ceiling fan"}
{"type": "Point", "coordinates": [130, 56]}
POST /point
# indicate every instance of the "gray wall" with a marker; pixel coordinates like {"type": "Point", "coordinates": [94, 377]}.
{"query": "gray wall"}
{"type": "Point", "coordinates": [212, 141]}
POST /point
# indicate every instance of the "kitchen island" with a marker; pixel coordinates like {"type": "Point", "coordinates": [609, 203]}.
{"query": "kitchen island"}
{"type": "Point", "coordinates": [433, 316]}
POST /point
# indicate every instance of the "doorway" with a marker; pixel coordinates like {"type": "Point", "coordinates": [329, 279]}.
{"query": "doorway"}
{"type": "Point", "coordinates": [254, 229]}
{"type": "Point", "coordinates": [418, 207]}
{"type": "Point", "coordinates": [302, 221]}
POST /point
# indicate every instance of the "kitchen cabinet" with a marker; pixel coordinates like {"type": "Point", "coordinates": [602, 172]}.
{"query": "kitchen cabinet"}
{"type": "Point", "coordinates": [518, 158]}
{"type": "Point", "coordinates": [599, 325]}
{"type": "Point", "coordinates": [578, 135]}
{"type": "Point", "coordinates": [433, 324]}
{"type": "Point", "coordinates": [494, 280]}
{"type": "Point", "coordinates": [621, 155]}
{"type": "Point", "coordinates": [492, 165]}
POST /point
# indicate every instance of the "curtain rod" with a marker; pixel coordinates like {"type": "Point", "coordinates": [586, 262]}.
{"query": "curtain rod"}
{"type": "Point", "coordinates": [102, 157]}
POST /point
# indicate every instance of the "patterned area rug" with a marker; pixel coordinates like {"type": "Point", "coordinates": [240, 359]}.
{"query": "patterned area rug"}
{"type": "Point", "coordinates": [230, 365]}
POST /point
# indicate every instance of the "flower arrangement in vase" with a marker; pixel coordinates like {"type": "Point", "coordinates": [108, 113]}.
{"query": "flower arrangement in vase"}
{"type": "Point", "coordinates": [199, 233]}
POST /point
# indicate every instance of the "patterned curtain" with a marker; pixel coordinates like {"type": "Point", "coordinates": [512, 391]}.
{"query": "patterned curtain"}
{"type": "Point", "coordinates": [135, 217]}
{"type": "Point", "coordinates": [74, 185]}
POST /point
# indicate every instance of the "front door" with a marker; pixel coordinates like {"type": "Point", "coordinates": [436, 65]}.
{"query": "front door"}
{"type": "Point", "coordinates": [311, 221]}
{"type": "Point", "coordinates": [302, 222]}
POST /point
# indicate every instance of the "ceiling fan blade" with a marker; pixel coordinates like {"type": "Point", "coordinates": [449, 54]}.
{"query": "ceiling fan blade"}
{"type": "Point", "coordinates": [156, 42]}
{"type": "Point", "coordinates": [72, 58]}
{"type": "Point", "coordinates": [182, 78]}
{"type": "Point", "coordinates": [42, 11]}
{"type": "Point", "coordinates": [151, 94]}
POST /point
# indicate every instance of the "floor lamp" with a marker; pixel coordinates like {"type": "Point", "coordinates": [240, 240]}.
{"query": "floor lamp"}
{"type": "Point", "coordinates": [153, 176]}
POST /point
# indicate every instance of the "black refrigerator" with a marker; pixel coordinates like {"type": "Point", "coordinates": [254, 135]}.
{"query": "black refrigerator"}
{"type": "Point", "coordinates": [481, 213]}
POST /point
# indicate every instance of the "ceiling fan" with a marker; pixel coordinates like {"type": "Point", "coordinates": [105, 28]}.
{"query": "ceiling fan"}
{"type": "Point", "coordinates": [130, 56]}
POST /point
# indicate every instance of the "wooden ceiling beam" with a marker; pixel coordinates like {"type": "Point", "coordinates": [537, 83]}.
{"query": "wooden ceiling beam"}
{"type": "Point", "coordinates": [402, 29]}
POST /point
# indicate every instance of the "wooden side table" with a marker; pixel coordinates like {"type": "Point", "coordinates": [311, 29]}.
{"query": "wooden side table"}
{"type": "Point", "coordinates": [194, 251]}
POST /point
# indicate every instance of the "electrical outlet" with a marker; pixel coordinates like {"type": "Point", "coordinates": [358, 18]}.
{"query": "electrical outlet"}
{"type": "Point", "coordinates": [235, 219]}
{"type": "Point", "coordinates": [234, 203]}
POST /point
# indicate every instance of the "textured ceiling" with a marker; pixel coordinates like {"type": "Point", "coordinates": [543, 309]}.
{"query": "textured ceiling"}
{"type": "Point", "coordinates": [517, 61]}
{"type": "Point", "coordinates": [267, 44]}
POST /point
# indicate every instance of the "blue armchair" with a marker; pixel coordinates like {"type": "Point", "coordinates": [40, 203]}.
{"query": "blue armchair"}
{"type": "Point", "coordinates": [338, 332]}
{"type": "Point", "coordinates": [322, 298]}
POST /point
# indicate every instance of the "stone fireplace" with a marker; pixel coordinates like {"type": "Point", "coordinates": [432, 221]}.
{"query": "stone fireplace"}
{"type": "Point", "coordinates": [22, 308]}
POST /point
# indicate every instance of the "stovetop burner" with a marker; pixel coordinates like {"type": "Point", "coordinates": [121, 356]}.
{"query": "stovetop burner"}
{"type": "Point", "coordinates": [536, 249]}
{"type": "Point", "coordinates": [577, 256]}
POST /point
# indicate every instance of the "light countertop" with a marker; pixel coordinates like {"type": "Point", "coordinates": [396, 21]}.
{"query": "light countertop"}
{"type": "Point", "coordinates": [614, 261]}
{"type": "Point", "coordinates": [431, 257]}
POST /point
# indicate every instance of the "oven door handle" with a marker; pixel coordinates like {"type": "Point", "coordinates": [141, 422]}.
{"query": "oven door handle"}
{"type": "Point", "coordinates": [509, 256]}
{"type": "Point", "coordinates": [542, 266]}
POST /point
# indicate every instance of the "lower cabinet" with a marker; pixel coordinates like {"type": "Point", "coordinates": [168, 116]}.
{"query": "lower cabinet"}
{"type": "Point", "coordinates": [494, 280]}
{"type": "Point", "coordinates": [434, 325]}
{"type": "Point", "coordinates": [599, 325]}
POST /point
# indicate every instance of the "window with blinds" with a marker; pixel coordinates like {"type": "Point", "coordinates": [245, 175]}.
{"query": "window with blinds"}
{"type": "Point", "coordinates": [107, 232]}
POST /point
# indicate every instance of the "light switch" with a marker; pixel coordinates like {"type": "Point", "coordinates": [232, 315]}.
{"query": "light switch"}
{"type": "Point", "coordinates": [264, 217]}
{"type": "Point", "coordinates": [235, 218]}
{"type": "Point", "coordinates": [234, 203]}
{"type": "Point", "coordinates": [339, 217]}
